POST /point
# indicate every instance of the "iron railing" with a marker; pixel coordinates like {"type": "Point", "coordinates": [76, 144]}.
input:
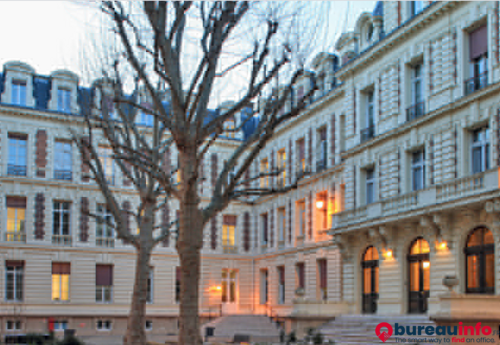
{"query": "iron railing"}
{"type": "Point", "coordinates": [367, 133]}
{"type": "Point", "coordinates": [475, 83]}
{"type": "Point", "coordinates": [415, 111]}
{"type": "Point", "coordinates": [17, 170]}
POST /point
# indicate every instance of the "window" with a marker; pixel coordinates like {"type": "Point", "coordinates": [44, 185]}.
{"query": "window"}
{"type": "Point", "coordinates": [104, 325]}
{"type": "Point", "coordinates": [228, 230]}
{"type": "Point", "coordinates": [149, 295]}
{"type": "Point", "coordinates": [416, 108]}
{"type": "Point", "coordinates": [230, 126]}
{"type": "Point", "coordinates": [281, 284]}
{"type": "Point", "coordinates": [418, 170]}
{"type": "Point", "coordinates": [480, 261]}
{"type": "Point", "coordinates": [420, 276]}
{"type": "Point", "coordinates": [301, 161]}
{"type": "Point", "coordinates": [62, 161]}
{"type": "Point", "coordinates": [16, 213]}
{"type": "Point", "coordinates": [321, 211]}
{"type": "Point", "coordinates": [17, 154]}
{"type": "Point", "coordinates": [18, 92]}
{"type": "Point", "coordinates": [64, 100]}
{"type": "Point", "coordinates": [177, 284]}
{"type": "Point", "coordinates": [60, 281]}
{"type": "Point", "coordinates": [264, 228]}
{"type": "Point", "coordinates": [264, 169]}
{"type": "Point", "coordinates": [229, 281]}
{"type": "Point", "coordinates": [416, 7]}
{"type": "Point", "coordinates": [281, 225]}
{"type": "Point", "coordinates": [104, 230]}
{"type": "Point", "coordinates": [478, 63]}
{"type": "Point", "coordinates": [61, 223]}
{"type": "Point", "coordinates": [480, 150]}
{"type": "Point", "coordinates": [108, 166]}
{"type": "Point", "coordinates": [321, 150]}
{"type": "Point", "coordinates": [264, 286]}
{"type": "Point", "coordinates": [12, 325]}
{"type": "Point", "coordinates": [103, 283]}
{"type": "Point", "coordinates": [60, 325]}
{"type": "Point", "coordinates": [370, 185]}
{"type": "Point", "coordinates": [301, 213]}
{"type": "Point", "coordinates": [323, 279]}
{"type": "Point", "coordinates": [300, 278]}
{"type": "Point", "coordinates": [282, 167]}
{"type": "Point", "coordinates": [14, 280]}
{"type": "Point", "coordinates": [370, 275]}
{"type": "Point", "coordinates": [148, 326]}
{"type": "Point", "coordinates": [369, 131]}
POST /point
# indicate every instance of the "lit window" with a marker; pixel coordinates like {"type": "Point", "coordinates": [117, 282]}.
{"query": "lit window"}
{"type": "Point", "coordinates": [108, 165]}
{"type": "Point", "coordinates": [14, 280]}
{"type": "Point", "coordinates": [480, 150]}
{"type": "Point", "coordinates": [64, 100]}
{"type": "Point", "coordinates": [17, 155]}
{"type": "Point", "coordinates": [18, 92]}
{"type": "Point", "coordinates": [480, 261]}
{"type": "Point", "coordinates": [282, 167]}
{"type": "Point", "coordinates": [228, 230]}
{"type": "Point", "coordinates": [16, 213]}
{"type": "Point", "coordinates": [62, 161]}
{"type": "Point", "coordinates": [103, 283]}
{"type": "Point", "coordinates": [229, 281]}
{"type": "Point", "coordinates": [418, 170]}
{"type": "Point", "coordinates": [60, 281]}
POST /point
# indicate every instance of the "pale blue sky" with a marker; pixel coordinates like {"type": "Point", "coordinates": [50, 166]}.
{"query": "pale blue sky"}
{"type": "Point", "coordinates": [49, 35]}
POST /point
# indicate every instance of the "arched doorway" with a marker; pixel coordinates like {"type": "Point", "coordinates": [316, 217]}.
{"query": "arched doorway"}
{"type": "Point", "coordinates": [480, 261]}
{"type": "Point", "coordinates": [419, 276]}
{"type": "Point", "coordinates": [369, 267]}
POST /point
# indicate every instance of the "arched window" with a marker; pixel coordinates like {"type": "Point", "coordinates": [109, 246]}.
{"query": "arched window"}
{"type": "Point", "coordinates": [369, 267]}
{"type": "Point", "coordinates": [480, 261]}
{"type": "Point", "coordinates": [419, 276]}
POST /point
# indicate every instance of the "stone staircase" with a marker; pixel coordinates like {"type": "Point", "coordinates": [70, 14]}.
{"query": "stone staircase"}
{"type": "Point", "coordinates": [260, 328]}
{"type": "Point", "coordinates": [360, 329]}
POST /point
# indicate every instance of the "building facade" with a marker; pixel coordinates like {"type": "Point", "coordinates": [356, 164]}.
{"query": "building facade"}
{"type": "Point", "coordinates": [399, 149]}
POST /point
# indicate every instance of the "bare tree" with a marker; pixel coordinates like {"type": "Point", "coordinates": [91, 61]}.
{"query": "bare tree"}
{"type": "Point", "coordinates": [150, 58]}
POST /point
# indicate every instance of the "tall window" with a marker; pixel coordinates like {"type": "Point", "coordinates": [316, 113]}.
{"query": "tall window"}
{"type": "Point", "coordinates": [264, 286]}
{"type": "Point", "coordinates": [321, 150]}
{"type": "Point", "coordinates": [301, 152]}
{"type": "Point", "coordinates": [16, 213]}
{"type": "Point", "coordinates": [282, 167]}
{"type": "Point", "coordinates": [17, 154]}
{"type": "Point", "coordinates": [416, 108]}
{"type": "Point", "coordinates": [281, 224]}
{"type": "Point", "coordinates": [229, 281]}
{"type": "Point", "coordinates": [230, 126]}
{"type": "Point", "coordinates": [61, 222]}
{"type": "Point", "coordinates": [104, 231]}
{"type": "Point", "coordinates": [18, 92]}
{"type": "Point", "coordinates": [419, 272]}
{"type": "Point", "coordinates": [228, 230]}
{"type": "Point", "coordinates": [480, 150]}
{"type": "Point", "coordinates": [64, 100]}
{"type": "Point", "coordinates": [480, 261]}
{"type": "Point", "coordinates": [416, 7]}
{"type": "Point", "coordinates": [369, 267]}
{"type": "Point", "coordinates": [177, 284]}
{"type": "Point", "coordinates": [369, 131]}
{"type": "Point", "coordinates": [149, 296]}
{"type": "Point", "coordinates": [478, 55]}
{"type": "Point", "coordinates": [62, 161]}
{"type": "Point", "coordinates": [103, 283]}
{"type": "Point", "coordinates": [60, 281]}
{"type": "Point", "coordinates": [264, 169]}
{"type": "Point", "coordinates": [281, 284]}
{"type": "Point", "coordinates": [418, 170]}
{"type": "Point", "coordinates": [106, 158]}
{"type": "Point", "coordinates": [301, 212]}
{"type": "Point", "coordinates": [14, 280]}
{"type": "Point", "coordinates": [370, 185]}
{"type": "Point", "coordinates": [300, 275]}
{"type": "Point", "coordinates": [264, 227]}
{"type": "Point", "coordinates": [323, 279]}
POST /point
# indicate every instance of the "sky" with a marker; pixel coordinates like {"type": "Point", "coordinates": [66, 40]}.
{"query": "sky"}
{"type": "Point", "coordinates": [51, 35]}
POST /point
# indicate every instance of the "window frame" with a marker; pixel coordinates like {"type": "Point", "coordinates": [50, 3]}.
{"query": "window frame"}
{"type": "Point", "coordinates": [18, 89]}
{"type": "Point", "coordinates": [13, 274]}
{"type": "Point", "coordinates": [370, 197]}
{"type": "Point", "coordinates": [417, 165]}
{"type": "Point", "coordinates": [484, 146]}
{"type": "Point", "coordinates": [60, 212]}
{"type": "Point", "coordinates": [64, 99]}
{"type": "Point", "coordinates": [16, 165]}
{"type": "Point", "coordinates": [63, 160]}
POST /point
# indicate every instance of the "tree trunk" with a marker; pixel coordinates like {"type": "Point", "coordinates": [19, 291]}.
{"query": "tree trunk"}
{"type": "Point", "coordinates": [189, 244]}
{"type": "Point", "coordinates": [136, 321]}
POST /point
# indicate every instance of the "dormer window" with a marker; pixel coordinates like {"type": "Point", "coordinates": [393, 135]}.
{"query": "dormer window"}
{"type": "Point", "coordinates": [18, 92]}
{"type": "Point", "coordinates": [64, 100]}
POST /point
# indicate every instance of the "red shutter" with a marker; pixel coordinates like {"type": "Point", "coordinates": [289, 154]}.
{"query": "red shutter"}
{"type": "Point", "coordinates": [14, 263]}
{"type": "Point", "coordinates": [478, 42]}
{"type": "Point", "coordinates": [61, 268]}
{"type": "Point", "coordinates": [39, 216]}
{"type": "Point", "coordinates": [246, 231]}
{"type": "Point", "coordinates": [16, 201]}
{"type": "Point", "coordinates": [84, 219]}
{"type": "Point", "coordinates": [322, 273]}
{"type": "Point", "coordinates": [104, 275]}
{"type": "Point", "coordinates": [41, 152]}
{"type": "Point", "coordinates": [229, 220]}
{"type": "Point", "coordinates": [178, 273]}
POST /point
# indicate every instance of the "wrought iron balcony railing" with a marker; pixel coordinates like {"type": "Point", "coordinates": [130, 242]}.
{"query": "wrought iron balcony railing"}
{"type": "Point", "coordinates": [476, 83]}
{"type": "Point", "coordinates": [415, 111]}
{"type": "Point", "coordinates": [367, 133]}
{"type": "Point", "coordinates": [17, 170]}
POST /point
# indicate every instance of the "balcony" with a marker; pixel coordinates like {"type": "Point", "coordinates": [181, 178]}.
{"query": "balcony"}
{"type": "Point", "coordinates": [367, 133]}
{"type": "Point", "coordinates": [302, 169]}
{"type": "Point", "coordinates": [229, 249]}
{"type": "Point", "coordinates": [425, 198]}
{"type": "Point", "coordinates": [476, 83]}
{"type": "Point", "coordinates": [106, 242]}
{"type": "Point", "coordinates": [61, 240]}
{"type": "Point", "coordinates": [415, 111]}
{"type": "Point", "coordinates": [16, 170]}
{"type": "Point", "coordinates": [63, 175]}
{"type": "Point", "coordinates": [19, 236]}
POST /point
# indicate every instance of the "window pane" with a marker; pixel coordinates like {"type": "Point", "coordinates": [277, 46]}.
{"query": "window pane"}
{"type": "Point", "coordinates": [376, 279]}
{"type": "Point", "coordinates": [414, 276]}
{"type": "Point", "coordinates": [489, 270]}
{"type": "Point", "coordinates": [367, 280]}
{"type": "Point", "coordinates": [472, 272]}
{"type": "Point", "coordinates": [476, 160]}
{"type": "Point", "coordinates": [56, 285]}
{"type": "Point", "coordinates": [65, 287]}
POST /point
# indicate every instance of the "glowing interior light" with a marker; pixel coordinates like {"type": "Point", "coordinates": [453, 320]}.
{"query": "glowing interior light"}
{"type": "Point", "coordinates": [388, 253]}
{"type": "Point", "coordinates": [426, 264]}
{"type": "Point", "coordinates": [320, 204]}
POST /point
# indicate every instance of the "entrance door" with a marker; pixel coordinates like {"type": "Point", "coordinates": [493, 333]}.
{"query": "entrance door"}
{"type": "Point", "coordinates": [229, 291]}
{"type": "Point", "coordinates": [419, 271]}
{"type": "Point", "coordinates": [369, 267]}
